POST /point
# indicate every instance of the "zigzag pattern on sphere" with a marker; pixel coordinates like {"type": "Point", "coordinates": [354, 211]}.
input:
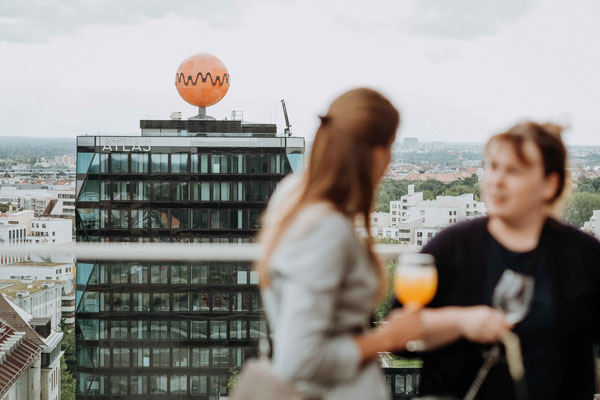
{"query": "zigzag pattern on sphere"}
{"type": "Point", "coordinates": [190, 80]}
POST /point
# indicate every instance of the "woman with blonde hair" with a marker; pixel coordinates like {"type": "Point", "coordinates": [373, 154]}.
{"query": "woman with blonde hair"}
{"type": "Point", "coordinates": [320, 283]}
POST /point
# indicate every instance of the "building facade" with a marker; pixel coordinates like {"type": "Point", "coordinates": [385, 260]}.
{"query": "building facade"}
{"type": "Point", "coordinates": [173, 330]}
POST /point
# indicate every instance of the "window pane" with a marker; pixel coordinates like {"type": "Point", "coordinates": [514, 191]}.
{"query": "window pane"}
{"type": "Point", "coordinates": [161, 191]}
{"type": "Point", "coordinates": [159, 274]}
{"type": "Point", "coordinates": [199, 384]}
{"type": "Point", "coordinates": [160, 302]}
{"type": "Point", "coordinates": [159, 219]}
{"type": "Point", "coordinates": [181, 191]}
{"type": "Point", "coordinates": [141, 190]}
{"type": "Point", "coordinates": [105, 190]}
{"type": "Point", "coordinates": [90, 191]}
{"type": "Point", "coordinates": [200, 274]}
{"type": "Point", "coordinates": [238, 164]}
{"type": "Point", "coordinates": [140, 219]}
{"type": "Point", "coordinates": [121, 303]}
{"type": "Point", "coordinates": [216, 191]}
{"type": "Point", "coordinates": [139, 163]}
{"type": "Point", "coordinates": [200, 301]}
{"type": "Point", "coordinates": [221, 302]}
{"type": "Point", "coordinates": [119, 162]}
{"type": "Point", "coordinates": [200, 219]}
{"type": "Point", "coordinates": [199, 330]}
{"type": "Point", "coordinates": [120, 219]}
{"type": "Point", "coordinates": [179, 274]}
{"type": "Point", "coordinates": [141, 302]}
{"type": "Point", "coordinates": [139, 329]}
{"type": "Point", "coordinates": [160, 163]}
{"type": "Point", "coordinates": [238, 329]}
{"type": "Point", "coordinates": [120, 191]}
{"type": "Point", "coordinates": [179, 163]}
{"type": "Point", "coordinates": [88, 218]}
{"type": "Point", "coordinates": [179, 218]}
{"type": "Point", "coordinates": [181, 302]}
{"type": "Point", "coordinates": [158, 384]}
{"type": "Point", "coordinates": [104, 163]}
{"type": "Point", "coordinates": [83, 162]}
{"type": "Point", "coordinates": [179, 329]}
{"type": "Point", "coordinates": [224, 191]}
{"type": "Point", "coordinates": [200, 357]}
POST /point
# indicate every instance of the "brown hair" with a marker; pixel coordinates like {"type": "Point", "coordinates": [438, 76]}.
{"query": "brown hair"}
{"type": "Point", "coordinates": [547, 138]}
{"type": "Point", "coordinates": [339, 169]}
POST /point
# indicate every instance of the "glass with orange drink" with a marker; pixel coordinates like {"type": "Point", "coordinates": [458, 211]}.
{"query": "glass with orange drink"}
{"type": "Point", "coordinates": [415, 281]}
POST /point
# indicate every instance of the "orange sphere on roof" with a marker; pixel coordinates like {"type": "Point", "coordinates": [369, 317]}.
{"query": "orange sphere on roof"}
{"type": "Point", "coordinates": [202, 80]}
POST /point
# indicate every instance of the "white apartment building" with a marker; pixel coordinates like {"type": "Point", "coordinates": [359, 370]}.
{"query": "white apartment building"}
{"type": "Point", "coordinates": [11, 235]}
{"type": "Point", "coordinates": [29, 355]}
{"type": "Point", "coordinates": [49, 201]}
{"type": "Point", "coordinates": [593, 225]}
{"type": "Point", "coordinates": [399, 208]}
{"type": "Point", "coordinates": [41, 298]}
{"type": "Point", "coordinates": [424, 235]}
{"type": "Point", "coordinates": [51, 230]}
{"type": "Point", "coordinates": [30, 270]}
{"type": "Point", "coordinates": [22, 218]}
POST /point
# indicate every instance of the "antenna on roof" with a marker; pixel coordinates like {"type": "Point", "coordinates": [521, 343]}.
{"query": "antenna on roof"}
{"type": "Point", "coordinates": [286, 131]}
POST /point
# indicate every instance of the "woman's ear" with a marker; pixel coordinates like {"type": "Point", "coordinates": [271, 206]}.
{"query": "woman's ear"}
{"type": "Point", "coordinates": [552, 181]}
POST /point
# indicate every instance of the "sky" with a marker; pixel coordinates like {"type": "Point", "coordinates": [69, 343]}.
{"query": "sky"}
{"type": "Point", "coordinates": [458, 70]}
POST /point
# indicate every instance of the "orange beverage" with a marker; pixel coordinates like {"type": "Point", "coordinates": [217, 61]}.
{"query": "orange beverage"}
{"type": "Point", "coordinates": [416, 280]}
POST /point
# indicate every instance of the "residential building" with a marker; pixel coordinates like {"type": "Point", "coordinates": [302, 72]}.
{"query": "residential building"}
{"type": "Point", "coordinates": [12, 235]}
{"type": "Point", "coordinates": [593, 225]}
{"type": "Point", "coordinates": [51, 230]}
{"type": "Point", "coordinates": [172, 329]}
{"type": "Point", "coordinates": [29, 355]}
{"type": "Point", "coordinates": [41, 298]}
{"type": "Point", "coordinates": [33, 270]}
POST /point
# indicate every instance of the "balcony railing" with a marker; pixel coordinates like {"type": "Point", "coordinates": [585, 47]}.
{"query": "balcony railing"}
{"type": "Point", "coordinates": [402, 382]}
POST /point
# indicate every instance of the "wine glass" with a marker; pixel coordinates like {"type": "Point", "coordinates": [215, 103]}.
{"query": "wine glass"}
{"type": "Point", "coordinates": [415, 280]}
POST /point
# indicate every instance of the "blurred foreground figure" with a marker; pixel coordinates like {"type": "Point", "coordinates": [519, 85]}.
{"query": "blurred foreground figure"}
{"type": "Point", "coordinates": [524, 179]}
{"type": "Point", "coordinates": [320, 282]}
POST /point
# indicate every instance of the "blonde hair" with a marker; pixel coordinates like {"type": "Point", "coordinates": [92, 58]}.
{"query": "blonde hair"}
{"type": "Point", "coordinates": [339, 171]}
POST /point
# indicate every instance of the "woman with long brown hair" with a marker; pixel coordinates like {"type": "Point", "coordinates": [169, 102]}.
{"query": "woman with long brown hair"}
{"type": "Point", "coordinates": [320, 283]}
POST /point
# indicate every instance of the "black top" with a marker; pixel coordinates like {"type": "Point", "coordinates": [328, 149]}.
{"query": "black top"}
{"type": "Point", "coordinates": [537, 331]}
{"type": "Point", "coordinates": [558, 334]}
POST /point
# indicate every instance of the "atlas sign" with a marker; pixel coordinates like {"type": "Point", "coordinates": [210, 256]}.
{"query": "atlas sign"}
{"type": "Point", "coordinates": [125, 144]}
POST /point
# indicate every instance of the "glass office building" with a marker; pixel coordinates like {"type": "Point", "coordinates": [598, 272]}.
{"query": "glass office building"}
{"type": "Point", "coordinates": [172, 330]}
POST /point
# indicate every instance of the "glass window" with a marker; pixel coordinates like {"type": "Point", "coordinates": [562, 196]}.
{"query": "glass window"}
{"type": "Point", "coordinates": [200, 357]}
{"type": "Point", "coordinates": [199, 330]}
{"type": "Point", "coordinates": [254, 277]}
{"type": "Point", "coordinates": [88, 218]}
{"type": "Point", "coordinates": [139, 163]}
{"type": "Point", "coordinates": [238, 329]}
{"type": "Point", "coordinates": [256, 302]}
{"type": "Point", "coordinates": [119, 163]}
{"type": "Point", "coordinates": [90, 191]}
{"type": "Point", "coordinates": [180, 218]}
{"type": "Point", "coordinates": [181, 357]}
{"type": "Point", "coordinates": [200, 274]}
{"type": "Point", "coordinates": [83, 162]}
{"type": "Point", "coordinates": [119, 274]}
{"type": "Point", "coordinates": [181, 191]}
{"type": "Point", "coordinates": [218, 330]}
{"type": "Point", "coordinates": [221, 302]}
{"type": "Point", "coordinates": [139, 330]}
{"type": "Point", "coordinates": [160, 163]}
{"type": "Point", "coordinates": [200, 301]}
{"type": "Point", "coordinates": [200, 219]}
{"type": "Point", "coordinates": [200, 163]}
{"type": "Point", "coordinates": [179, 163]}
{"type": "Point", "coordinates": [181, 302]}
{"type": "Point", "coordinates": [220, 357]}
{"type": "Point", "coordinates": [118, 384]}
{"type": "Point", "coordinates": [121, 358]}
{"type": "Point", "coordinates": [139, 219]}
{"type": "Point", "coordinates": [121, 302]}
{"type": "Point", "coordinates": [158, 384]}
{"type": "Point", "coordinates": [179, 384]}
{"type": "Point", "coordinates": [141, 191]}
{"type": "Point", "coordinates": [199, 384]}
{"type": "Point", "coordinates": [218, 163]}
{"type": "Point", "coordinates": [160, 302]}
{"type": "Point", "coordinates": [120, 219]}
{"type": "Point", "coordinates": [261, 191]}
{"type": "Point", "coordinates": [161, 191]}
{"type": "Point", "coordinates": [179, 274]}
{"type": "Point", "coordinates": [179, 329]}
{"type": "Point", "coordinates": [240, 301]}
{"type": "Point", "coordinates": [104, 163]}
{"type": "Point", "coordinates": [159, 274]}
{"type": "Point", "coordinates": [159, 219]}
{"type": "Point", "coordinates": [219, 219]}
{"type": "Point", "coordinates": [141, 302]}
{"type": "Point", "coordinates": [160, 357]}
{"type": "Point", "coordinates": [120, 191]}
{"type": "Point", "coordinates": [240, 191]}
{"type": "Point", "coordinates": [254, 216]}
{"type": "Point", "coordinates": [141, 357]}
{"type": "Point", "coordinates": [105, 191]}
{"type": "Point", "coordinates": [139, 274]}
{"type": "Point", "coordinates": [158, 329]}
{"type": "Point", "coordinates": [239, 275]}
{"type": "Point", "coordinates": [89, 328]}
{"type": "Point", "coordinates": [139, 384]}
{"type": "Point", "coordinates": [239, 219]}
{"type": "Point", "coordinates": [275, 163]}
{"type": "Point", "coordinates": [219, 274]}
{"type": "Point", "coordinates": [258, 329]}
{"type": "Point", "coordinates": [258, 163]}
{"type": "Point", "coordinates": [238, 164]}
{"type": "Point", "coordinates": [218, 383]}
{"type": "Point", "coordinates": [105, 357]}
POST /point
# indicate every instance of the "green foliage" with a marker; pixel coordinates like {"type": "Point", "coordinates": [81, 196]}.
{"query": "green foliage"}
{"type": "Point", "coordinates": [68, 346]}
{"type": "Point", "coordinates": [67, 382]}
{"type": "Point", "coordinates": [4, 207]}
{"type": "Point", "coordinates": [232, 379]}
{"type": "Point", "coordinates": [385, 306]}
{"type": "Point", "coordinates": [390, 190]}
{"type": "Point", "coordinates": [580, 207]}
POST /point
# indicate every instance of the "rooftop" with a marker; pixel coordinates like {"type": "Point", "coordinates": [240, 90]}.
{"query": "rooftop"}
{"type": "Point", "coordinates": [10, 287]}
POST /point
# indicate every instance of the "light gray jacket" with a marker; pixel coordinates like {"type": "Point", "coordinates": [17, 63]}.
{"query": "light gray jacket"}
{"type": "Point", "coordinates": [323, 291]}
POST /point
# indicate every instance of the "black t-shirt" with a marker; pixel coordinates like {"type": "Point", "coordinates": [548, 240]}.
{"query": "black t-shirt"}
{"type": "Point", "coordinates": [537, 331]}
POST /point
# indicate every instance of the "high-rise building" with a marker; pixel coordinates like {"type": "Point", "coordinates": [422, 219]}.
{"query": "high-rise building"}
{"type": "Point", "coordinates": [172, 329]}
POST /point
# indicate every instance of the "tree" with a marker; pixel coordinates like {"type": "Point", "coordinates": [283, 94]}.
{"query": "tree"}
{"type": "Point", "coordinates": [67, 382]}
{"type": "Point", "coordinates": [580, 208]}
{"type": "Point", "coordinates": [385, 306]}
{"type": "Point", "coordinates": [232, 379]}
{"type": "Point", "coordinates": [68, 345]}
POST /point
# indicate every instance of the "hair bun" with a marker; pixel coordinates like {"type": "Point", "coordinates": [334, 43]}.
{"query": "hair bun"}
{"type": "Point", "coordinates": [553, 129]}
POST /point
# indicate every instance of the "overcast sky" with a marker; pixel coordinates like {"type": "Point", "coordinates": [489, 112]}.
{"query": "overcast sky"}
{"type": "Point", "coordinates": [458, 70]}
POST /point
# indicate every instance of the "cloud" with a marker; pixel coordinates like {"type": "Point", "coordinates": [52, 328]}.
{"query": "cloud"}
{"type": "Point", "coordinates": [35, 21]}
{"type": "Point", "coordinates": [466, 19]}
